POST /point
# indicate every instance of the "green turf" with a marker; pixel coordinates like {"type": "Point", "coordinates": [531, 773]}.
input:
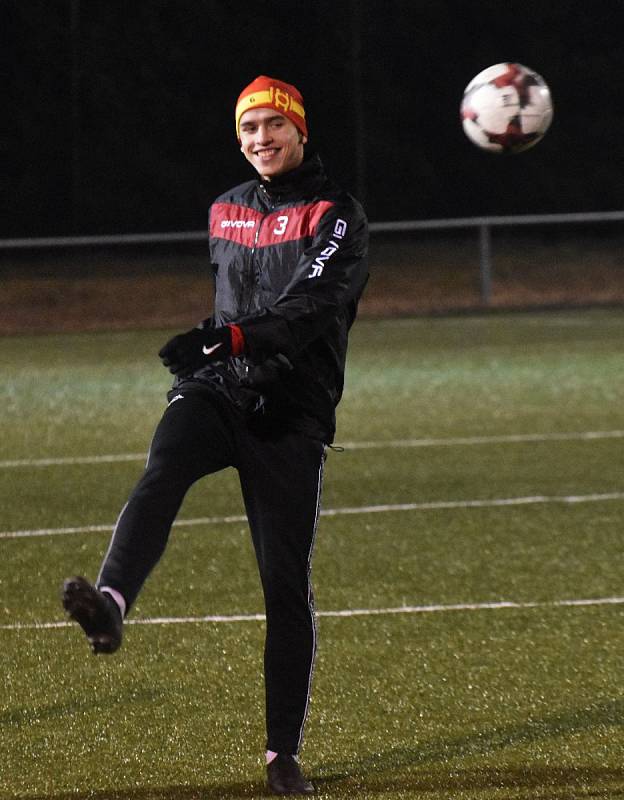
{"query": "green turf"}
{"type": "Point", "coordinates": [483, 704]}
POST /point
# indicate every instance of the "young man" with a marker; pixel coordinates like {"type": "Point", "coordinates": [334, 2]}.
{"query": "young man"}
{"type": "Point", "coordinates": [256, 388]}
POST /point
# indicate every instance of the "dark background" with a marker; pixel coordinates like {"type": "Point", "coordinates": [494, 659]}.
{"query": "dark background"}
{"type": "Point", "coordinates": [119, 113]}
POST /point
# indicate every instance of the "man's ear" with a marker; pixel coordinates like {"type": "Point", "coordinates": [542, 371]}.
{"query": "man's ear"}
{"type": "Point", "coordinates": [303, 139]}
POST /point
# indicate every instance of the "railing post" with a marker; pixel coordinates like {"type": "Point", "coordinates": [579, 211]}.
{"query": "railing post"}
{"type": "Point", "coordinates": [485, 263]}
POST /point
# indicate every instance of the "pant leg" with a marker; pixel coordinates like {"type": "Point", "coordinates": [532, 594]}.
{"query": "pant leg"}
{"type": "Point", "coordinates": [281, 483]}
{"type": "Point", "coordinates": [191, 440]}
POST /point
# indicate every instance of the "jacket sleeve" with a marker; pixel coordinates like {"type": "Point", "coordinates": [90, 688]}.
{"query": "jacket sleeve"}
{"type": "Point", "coordinates": [328, 278]}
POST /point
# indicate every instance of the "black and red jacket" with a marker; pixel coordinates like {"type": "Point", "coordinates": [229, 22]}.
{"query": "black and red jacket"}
{"type": "Point", "coordinates": [290, 264]}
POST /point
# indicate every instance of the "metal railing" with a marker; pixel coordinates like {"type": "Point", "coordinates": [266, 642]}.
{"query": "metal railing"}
{"type": "Point", "coordinates": [484, 226]}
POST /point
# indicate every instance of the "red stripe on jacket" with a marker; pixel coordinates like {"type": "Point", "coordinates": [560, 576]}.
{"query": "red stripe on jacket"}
{"type": "Point", "coordinates": [251, 228]}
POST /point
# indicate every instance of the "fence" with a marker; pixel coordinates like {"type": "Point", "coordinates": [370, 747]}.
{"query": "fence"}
{"type": "Point", "coordinates": [483, 226]}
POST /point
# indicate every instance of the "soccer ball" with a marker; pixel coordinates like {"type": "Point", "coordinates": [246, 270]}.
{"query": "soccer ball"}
{"type": "Point", "coordinates": [506, 108]}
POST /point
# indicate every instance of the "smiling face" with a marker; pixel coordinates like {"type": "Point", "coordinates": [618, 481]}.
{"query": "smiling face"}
{"type": "Point", "coordinates": [270, 142]}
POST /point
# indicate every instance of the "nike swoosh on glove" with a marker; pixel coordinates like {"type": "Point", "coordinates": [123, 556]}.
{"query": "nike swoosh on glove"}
{"type": "Point", "coordinates": [189, 351]}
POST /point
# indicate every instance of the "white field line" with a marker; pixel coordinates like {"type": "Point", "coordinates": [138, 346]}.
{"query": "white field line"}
{"type": "Point", "coordinates": [71, 460]}
{"type": "Point", "coordinates": [513, 438]}
{"type": "Point", "coordinates": [500, 502]}
{"type": "Point", "coordinates": [352, 612]}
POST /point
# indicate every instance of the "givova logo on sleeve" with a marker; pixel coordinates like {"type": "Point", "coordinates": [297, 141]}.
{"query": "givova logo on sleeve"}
{"type": "Point", "coordinates": [318, 265]}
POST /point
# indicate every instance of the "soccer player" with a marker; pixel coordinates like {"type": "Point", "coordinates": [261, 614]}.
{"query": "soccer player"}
{"type": "Point", "coordinates": [256, 388]}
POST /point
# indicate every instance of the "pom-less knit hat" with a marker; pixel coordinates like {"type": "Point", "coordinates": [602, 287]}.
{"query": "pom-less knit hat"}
{"type": "Point", "coordinates": [267, 92]}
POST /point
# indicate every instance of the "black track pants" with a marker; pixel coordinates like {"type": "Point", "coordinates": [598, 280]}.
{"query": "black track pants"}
{"type": "Point", "coordinates": [281, 480]}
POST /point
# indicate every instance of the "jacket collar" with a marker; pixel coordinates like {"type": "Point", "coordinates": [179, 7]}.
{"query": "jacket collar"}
{"type": "Point", "coordinates": [305, 180]}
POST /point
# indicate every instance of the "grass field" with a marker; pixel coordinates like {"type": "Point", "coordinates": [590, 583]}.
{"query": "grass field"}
{"type": "Point", "coordinates": [468, 572]}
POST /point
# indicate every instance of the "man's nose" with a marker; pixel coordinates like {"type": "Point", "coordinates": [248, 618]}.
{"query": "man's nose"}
{"type": "Point", "coordinates": [264, 134]}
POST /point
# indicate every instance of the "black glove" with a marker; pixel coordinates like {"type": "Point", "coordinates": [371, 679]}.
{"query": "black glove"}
{"type": "Point", "coordinates": [265, 376]}
{"type": "Point", "coordinates": [189, 351]}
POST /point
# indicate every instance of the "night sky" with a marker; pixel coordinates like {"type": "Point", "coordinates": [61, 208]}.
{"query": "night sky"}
{"type": "Point", "coordinates": [120, 112]}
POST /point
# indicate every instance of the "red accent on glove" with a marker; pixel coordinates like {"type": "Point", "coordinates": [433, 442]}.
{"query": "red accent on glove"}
{"type": "Point", "coordinates": [238, 340]}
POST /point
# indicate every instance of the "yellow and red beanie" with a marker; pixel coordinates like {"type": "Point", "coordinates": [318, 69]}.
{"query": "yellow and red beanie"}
{"type": "Point", "coordinates": [266, 92]}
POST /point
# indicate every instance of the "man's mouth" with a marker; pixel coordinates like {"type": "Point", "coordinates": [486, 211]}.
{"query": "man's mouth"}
{"type": "Point", "coordinates": [266, 155]}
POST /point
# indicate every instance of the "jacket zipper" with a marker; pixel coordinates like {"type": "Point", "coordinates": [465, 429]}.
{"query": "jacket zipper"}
{"type": "Point", "coordinates": [252, 280]}
{"type": "Point", "coordinates": [252, 271]}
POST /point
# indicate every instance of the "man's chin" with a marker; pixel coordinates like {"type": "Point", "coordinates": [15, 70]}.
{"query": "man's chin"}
{"type": "Point", "coordinates": [268, 171]}
{"type": "Point", "coordinates": [268, 175]}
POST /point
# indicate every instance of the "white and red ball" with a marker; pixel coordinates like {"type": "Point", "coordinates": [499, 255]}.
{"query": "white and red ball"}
{"type": "Point", "coordinates": [506, 108]}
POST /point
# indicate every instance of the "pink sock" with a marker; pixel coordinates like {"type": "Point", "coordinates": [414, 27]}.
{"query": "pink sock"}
{"type": "Point", "coordinates": [117, 597]}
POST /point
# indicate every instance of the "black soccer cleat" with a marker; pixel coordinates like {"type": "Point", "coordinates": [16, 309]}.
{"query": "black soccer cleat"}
{"type": "Point", "coordinates": [284, 776]}
{"type": "Point", "coordinates": [96, 612]}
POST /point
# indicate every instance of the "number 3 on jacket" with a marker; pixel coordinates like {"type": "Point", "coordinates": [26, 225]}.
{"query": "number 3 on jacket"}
{"type": "Point", "coordinates": [282, 221]}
